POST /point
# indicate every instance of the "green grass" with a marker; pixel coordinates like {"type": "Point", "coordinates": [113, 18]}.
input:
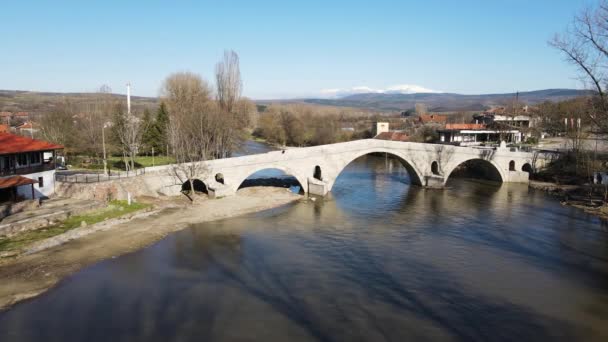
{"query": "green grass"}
{"type": "Point", "coordinates": [146, 161]}
{"type": "Point", "coordinates": [115, 163]}
{"type": "Point", "coordinates": [114, 210]}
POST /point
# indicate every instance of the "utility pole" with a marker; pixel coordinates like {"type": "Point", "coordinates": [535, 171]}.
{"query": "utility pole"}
{"type": "Point", "coordinates": [129, 98]}
{"type": "Point", "coordinates": [103, 143]}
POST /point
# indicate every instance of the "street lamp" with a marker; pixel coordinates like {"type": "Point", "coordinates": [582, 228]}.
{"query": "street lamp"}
{"type": "Point", "coordinates": [103, 143]}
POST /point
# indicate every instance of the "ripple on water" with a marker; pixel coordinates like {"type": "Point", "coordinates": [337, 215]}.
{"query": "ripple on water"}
{"type": "Point", "coordinates": [378, 260]}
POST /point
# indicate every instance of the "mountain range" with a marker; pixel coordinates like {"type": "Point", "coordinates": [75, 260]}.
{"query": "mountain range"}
{"type": "Point", "coordinates": [446, 102]}
{"type": "Point", "coordinates": [12, 100]}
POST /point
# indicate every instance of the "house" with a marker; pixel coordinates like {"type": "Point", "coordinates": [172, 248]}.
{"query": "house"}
{"type": "Point", "coordinates": [393, 136]}
{"type": "Point", "coordinates": [382, 132]}
{"type": "Point", "coordinates": [8, 117]}
{"type": "Point", "coordinates": [477, 133]}
{"type": "Point", "coordinates": [27, 167]}
{"type": "Point", "coordinates": [432, 119]}
{"type": "Point", "coordinates": [518, 121]}
{"type": "Point", "coordinates": [22, 116]}
{"type": "Point", "coordinates": [28, 128]}
{"type": "Point", "coordinates": [380, 127]}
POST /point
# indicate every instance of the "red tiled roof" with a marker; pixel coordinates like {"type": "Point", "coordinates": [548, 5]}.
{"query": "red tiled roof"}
{"type": "Point", "coordinates": [465, 126]}
{"type": "Point", "coordinates": [394, 136]}
{"type": "Point", "coordinates": [3, 128]}
{"type": "Point", "coordinates": [495, 110]}
{"type": "Point", "coordinates": [11, 182]}
{"type": "Point", "coordinates": [22, 114]}
{"type": "Point", "coordinates": [426, 118]}
{"type": "Point", "coordinates": [11, 143]}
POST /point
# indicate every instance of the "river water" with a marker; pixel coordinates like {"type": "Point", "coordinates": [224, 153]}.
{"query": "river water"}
{"type": "Point", "coordinates": [379, 260]}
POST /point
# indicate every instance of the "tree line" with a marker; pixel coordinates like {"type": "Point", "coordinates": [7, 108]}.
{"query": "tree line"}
{"type": "Point", "coordinates": [309, 125]}
{"type": "Point", "coordinates": [194, 121]}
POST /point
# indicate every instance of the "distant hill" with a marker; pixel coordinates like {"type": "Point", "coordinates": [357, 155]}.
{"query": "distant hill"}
{"type": "Point", "coordinates": [44, 102]}
{"type": "Point", "coordinates": [446, 102]}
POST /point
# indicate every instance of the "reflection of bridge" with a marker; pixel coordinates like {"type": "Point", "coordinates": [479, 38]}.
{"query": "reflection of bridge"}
{"type": "Point", "coordinates": [316, 168]}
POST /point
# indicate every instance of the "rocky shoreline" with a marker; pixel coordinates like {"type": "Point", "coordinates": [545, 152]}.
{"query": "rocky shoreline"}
{"type": "Point", "coordinates": [576, 196]}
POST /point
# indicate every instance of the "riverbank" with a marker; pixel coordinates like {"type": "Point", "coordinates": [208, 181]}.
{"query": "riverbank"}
{"type": "Point", "coordinates": [31, 275]}
{"type": "Point", "coordinates": [575, 196]}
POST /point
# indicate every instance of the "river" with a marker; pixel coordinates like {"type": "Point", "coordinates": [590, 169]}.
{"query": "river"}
{"type": "Point", "coordinates": [379, 260]}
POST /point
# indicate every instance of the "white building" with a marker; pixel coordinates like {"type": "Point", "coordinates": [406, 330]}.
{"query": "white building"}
{"type": "Point", "coordinates": [27, 167]}
{"type": "Point", "coordinates": [476, 134]}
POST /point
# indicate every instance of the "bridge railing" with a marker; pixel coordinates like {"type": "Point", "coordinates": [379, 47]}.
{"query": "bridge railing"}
{"type": "Point", "coordinates": [96, 177]}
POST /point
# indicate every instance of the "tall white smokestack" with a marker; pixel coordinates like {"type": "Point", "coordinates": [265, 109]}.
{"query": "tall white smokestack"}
{"type": "Point", "coordinates": [129, 98]}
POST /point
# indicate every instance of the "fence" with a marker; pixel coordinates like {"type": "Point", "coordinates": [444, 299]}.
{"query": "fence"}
{"type": "Point", "coordinates": [97, 177]}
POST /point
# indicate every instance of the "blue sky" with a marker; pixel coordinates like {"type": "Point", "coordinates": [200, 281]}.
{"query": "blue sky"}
{"type": "Point", "coordinates": [287, 48]}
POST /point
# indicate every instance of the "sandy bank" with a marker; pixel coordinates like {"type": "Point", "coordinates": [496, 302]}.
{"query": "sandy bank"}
{"type": "Point", "coordinates": [33, 274]}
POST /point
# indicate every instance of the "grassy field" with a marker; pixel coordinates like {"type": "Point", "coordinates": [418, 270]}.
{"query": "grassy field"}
{"type": "Point", "coordinates": [113, 210]}
{"type": "Point", "coordinates": [116, 163]}
{"type": "Point", "coordinates": [146, 161]}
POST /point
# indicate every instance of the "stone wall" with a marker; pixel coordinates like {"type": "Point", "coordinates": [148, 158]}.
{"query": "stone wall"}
{"type": "Point", "coordinates": [14, 208]}
{"type": "Point", "coordinates": [41, 221]}
{"type": "Point", "coordinates": [117, 189]}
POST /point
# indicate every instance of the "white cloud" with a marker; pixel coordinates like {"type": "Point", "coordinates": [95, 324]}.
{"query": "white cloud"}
{"type": "Point", "coordinates": [396, 89]}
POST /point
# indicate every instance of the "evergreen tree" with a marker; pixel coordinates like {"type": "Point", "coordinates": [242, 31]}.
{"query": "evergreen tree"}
{"type": "Point", "coordinates": [150, 135]}
{"type": "Point", "coordinates": [161, 124]}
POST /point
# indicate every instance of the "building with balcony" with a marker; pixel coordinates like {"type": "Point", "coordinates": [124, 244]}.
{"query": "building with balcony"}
{"type": "Point", "coordinates": [27, 167]}
{"type": "Point", "coordinates": [476, 134]}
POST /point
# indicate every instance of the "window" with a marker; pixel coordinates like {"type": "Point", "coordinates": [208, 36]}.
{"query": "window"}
{"type": "Point", "coordinates": [512, 165]}
{"type": "Point", "coordinates": [317, 173]}
{"type": "Point", "coordinates": [35, 158]}
{"type": "Point", "coordinates": [40, 182]}
{"type": "Point", "coordinates": [435, 168]}
{"type": "Point", "coordinates": [22, 159]}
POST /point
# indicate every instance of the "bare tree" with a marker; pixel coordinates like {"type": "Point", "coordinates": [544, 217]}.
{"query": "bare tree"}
{"type": "Point", "coordinates": [228, 81]}
{"type": "Point", "coordinates": [421, 109]}
{"type": "Point", "coordinates": [192, 122]}
{"type": "Point", "coordinates": [585, 44]}
{"type": "Point", "coordinates": [91, 119]}
{"type": "Point", "coordinates": [128, 130]}
{"type": "Point", "coordinates": [247, 113]}
{"type": "Point", "coordinates": [58, 125]}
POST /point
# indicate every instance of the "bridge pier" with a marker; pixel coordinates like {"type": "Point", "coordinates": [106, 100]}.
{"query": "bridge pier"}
{"type": "Point", "coordinates": [517, 177]}
{"type": "Point", "coordinates": [317, 187]}
{"type": "Point", "coordinates": [434, 182]}
{"type": "Point", "coordinates": [219, 190]}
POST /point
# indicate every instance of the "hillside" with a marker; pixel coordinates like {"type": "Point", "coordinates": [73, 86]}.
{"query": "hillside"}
{"type": "Point", "coordinates": [42, 102]}
{"type": "Point", "coordinates": [443, 102]}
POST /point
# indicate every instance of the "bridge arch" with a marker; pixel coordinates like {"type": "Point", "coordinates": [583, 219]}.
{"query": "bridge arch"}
{"type": "Point", "coordinates": [415, 175]}
{"type": "Point", "coordinates": [199, 186]}
{"type": "Point", "coordinates": [238, 182]}
{"type": "Point", "coordinates": [491, 169]}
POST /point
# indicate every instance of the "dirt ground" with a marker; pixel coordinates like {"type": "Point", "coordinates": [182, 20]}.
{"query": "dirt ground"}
{"type": "Point", "coordinates": [30, 275]}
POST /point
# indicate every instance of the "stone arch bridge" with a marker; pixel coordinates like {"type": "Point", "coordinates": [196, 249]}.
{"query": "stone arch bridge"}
{"type": "Point", "coordinates": [317, 168]}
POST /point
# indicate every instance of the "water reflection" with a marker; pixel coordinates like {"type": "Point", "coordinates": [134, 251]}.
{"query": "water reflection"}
{"type": "Point", "coordinates": [378, 260]}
